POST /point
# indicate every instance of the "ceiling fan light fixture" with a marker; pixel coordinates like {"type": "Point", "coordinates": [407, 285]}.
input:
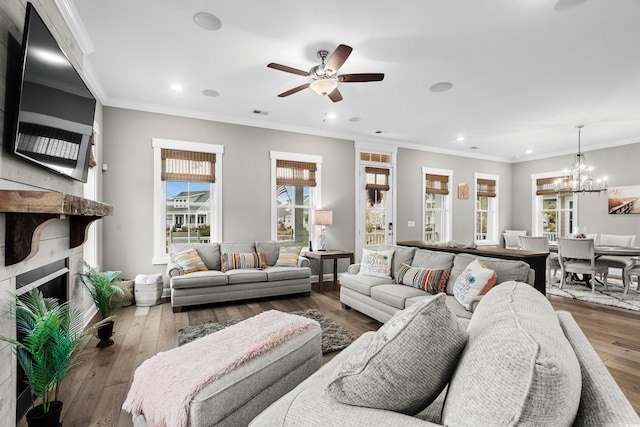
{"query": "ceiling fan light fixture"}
{"type": "Point", "coordinates": [207, 21]}
{"type": "Point", "coordinates": [323, 86]}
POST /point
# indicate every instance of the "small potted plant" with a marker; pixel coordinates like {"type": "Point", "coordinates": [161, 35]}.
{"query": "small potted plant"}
{"type": "Point", "coordinates": [103, 287]}
{"type": "Point", "coordinates": [53, 335]}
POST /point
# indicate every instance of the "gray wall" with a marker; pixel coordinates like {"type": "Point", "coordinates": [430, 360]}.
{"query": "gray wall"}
{"type": "Point", "coordinates": [619, 164]}
{"type": "Point", "coordinates": [246, 185]}
{"type": "Point", "coordinates": [409, 189]}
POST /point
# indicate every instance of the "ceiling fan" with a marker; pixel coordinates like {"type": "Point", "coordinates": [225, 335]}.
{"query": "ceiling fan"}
{"type": "Point", "coordinates": [325, 77]}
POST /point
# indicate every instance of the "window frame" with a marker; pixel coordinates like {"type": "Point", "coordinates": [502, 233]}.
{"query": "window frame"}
{"type": "Point", "coordinates": [447, 205]}
{"type": "Point", "coordinates": [537, 204]}
{"type": "Point", "coordinates": [493, 210]}
{"type": "Point", "coordinates": [160, 193]}
{"type": "Point", "coordinates": [315, 193]}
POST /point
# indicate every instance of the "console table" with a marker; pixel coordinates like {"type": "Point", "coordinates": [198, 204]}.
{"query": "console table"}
{"type": "Point", "coordinates": [536, 260]}
{"type": "Point", "coordinates": [323, 255]}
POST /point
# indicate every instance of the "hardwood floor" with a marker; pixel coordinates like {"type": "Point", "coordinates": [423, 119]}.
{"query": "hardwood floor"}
{"type": "Point", "coordinates": [94, 390]}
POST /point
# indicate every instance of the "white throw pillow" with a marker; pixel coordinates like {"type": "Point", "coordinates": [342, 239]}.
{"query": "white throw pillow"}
{"type": "Point", "coordinates": [376, 263]}
{"type": "Point", "coordinates": [476, 280]}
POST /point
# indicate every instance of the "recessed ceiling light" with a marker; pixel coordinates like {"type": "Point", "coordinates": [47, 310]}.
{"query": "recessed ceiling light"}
{"type": "Point", "coordinates": [177, 87]}
{"type": "Point", "coordinates": [441, 87]}
{"type": "Point", "coordinates": [207, 21]}
{"type": "Point", "coordinates": [529, 151]}
{"type": "Point", "coordinates": [331, 115]}
{"type": "Point", "coordinates": [460, 138]}
{"type": "Point", "coordinates": [210, 92]}
{"type": "Point", "coordinates": [354, 119]}
{"type": "Point", "coordinates": [378, 131]}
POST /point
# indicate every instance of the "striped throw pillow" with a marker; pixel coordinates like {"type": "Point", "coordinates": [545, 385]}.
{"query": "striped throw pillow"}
{"type": "Point", "coordinates": [432, 281]}
{"type": "Point", "coordinates": [231, 261]}
{"type": "Point", "coordinates": [189, 261]}
{"type": "Point", "coordinates": [288, 257]}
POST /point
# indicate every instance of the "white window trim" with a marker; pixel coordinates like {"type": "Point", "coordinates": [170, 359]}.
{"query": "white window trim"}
{"type": "Point", "coordinates": [448, 203]}
{"type": "Point", "coordinates": [316, 195]}
{"type": "Point", "coordinates": [159, 196]}
{"type": "Point", "coordinates": [494, 218]}
{"type": "Point", "coordinates": [536, 202]}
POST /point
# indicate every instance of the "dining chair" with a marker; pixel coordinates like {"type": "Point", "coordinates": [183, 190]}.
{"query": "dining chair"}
{"type": "Point", "coordinates": [633, 271]}
{"type": "Point", "coordinates": [541, 244]}
{"type": "Point", "coordinates": [577, 256]}
{"type": "Point", "coordinates": [621, 262]}
{"type": "Point", "coordinates": [511, 240]}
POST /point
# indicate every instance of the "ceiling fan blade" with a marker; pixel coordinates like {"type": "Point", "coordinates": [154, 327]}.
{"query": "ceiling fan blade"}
{"type": "Point", "coordinates": [338, 57]}
{"type": "Point", "coordinates": [288, 69]}
{"type": "Point", "coordinates": [363, 77]}
{"type": "Point", "coordinates": [294, 90]}
{"type": "Point", "coordinates": [335, 95]}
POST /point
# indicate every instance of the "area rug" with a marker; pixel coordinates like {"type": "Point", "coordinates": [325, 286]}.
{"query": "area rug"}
{"type": "Point", "coordinates": [334, 336]}
{"type": "Point", "coordinates": [614, 297]}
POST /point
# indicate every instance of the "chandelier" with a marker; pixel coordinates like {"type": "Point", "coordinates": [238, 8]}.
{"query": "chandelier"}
{"type": "Point", "coordinates": [579, 179]}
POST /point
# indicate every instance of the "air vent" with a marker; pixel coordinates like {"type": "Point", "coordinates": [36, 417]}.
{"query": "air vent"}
{"type": "Point", "coordinates": [260, 112]}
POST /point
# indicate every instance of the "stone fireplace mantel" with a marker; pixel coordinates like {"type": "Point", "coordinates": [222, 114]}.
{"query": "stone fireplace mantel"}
{"type": "Point", "coordinates": [28, 212]}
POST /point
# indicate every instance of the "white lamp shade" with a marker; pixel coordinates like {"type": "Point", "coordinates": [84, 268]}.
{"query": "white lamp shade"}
{"type": "Point", "coordinates": [322, 217]}
{"type": "Point", "coordinates": [324, 86]}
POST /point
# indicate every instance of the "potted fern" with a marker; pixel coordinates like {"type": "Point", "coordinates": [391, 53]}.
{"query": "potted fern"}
{"type": "Point", "coordinates": [53, 335]}
{"type": "Point", "coordinates": [108, 294]}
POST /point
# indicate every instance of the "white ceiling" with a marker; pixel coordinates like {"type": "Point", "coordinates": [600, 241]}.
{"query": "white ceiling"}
{"type": "Point", "coordinates": [524, 72]}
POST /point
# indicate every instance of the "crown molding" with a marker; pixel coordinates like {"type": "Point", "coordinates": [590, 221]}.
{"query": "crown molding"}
{"type": "Point", "coordinates": [79, 31]}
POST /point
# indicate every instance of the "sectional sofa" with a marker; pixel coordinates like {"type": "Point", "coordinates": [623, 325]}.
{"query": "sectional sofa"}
{"type": "Point", "coordinates": [380, 298]}
{"type": "Point", "coordinates": [518, 362]}
{"type": "Point", "coordinates": [214, 285]}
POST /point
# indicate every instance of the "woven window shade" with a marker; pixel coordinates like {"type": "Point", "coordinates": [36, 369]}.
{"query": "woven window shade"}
{"type": "Point", "coordinates": [375, 157]}
{"type": "Point", "coordinates": [486, 187]}
{"type": "Point", "coordinates": [299, 174]}
{"type": "Point", "coordinates": [184, 166]}
{"type": "Point", "coordinates": [377, 178]}
{"type": "Point", "coordinates": [437, 184]}
{"type": "Point", "coordinates": [549, 185]}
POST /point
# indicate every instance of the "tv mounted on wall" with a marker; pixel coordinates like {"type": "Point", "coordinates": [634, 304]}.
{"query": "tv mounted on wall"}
{"type": "Point", "coordinates": [55, 112]}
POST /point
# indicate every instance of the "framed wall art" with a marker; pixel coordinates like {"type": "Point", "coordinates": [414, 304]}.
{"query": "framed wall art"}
{"type": "Point", "coordinates": [624, 200]}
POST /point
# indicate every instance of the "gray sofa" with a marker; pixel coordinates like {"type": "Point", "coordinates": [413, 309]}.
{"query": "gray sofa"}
{"type": "Point", "coordinates": [203, 287]}
{"type": "Point", "coordinates": [522, 364]}
{"type": "Point", "coordinates": [380, 298]}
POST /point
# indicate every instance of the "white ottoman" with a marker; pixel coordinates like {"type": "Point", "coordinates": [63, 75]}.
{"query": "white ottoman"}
{"type": "Point", "coordinates": [148, 289]}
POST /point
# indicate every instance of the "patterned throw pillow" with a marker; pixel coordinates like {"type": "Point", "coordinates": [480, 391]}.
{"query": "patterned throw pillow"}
{"type": "Point", "coordinates": [245, 260]}
{"type": "Point", "coordinates": [405, 365]}
{"type": "Point", "coordinates": [376, 263]}
{"type": "Point", "coordinates": [189, 261]}
{"type": "Point", "coordinates": [288, 257]}
{"type": "Point", "coordinates": [475, 281]}
{"type": "Point", "coordinates": [432, 281]}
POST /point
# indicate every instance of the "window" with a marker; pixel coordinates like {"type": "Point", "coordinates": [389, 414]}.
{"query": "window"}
{"type": "Point", "coordinates": [486, 212]}
{"type": "Point", "coordinates": [295, 195]}
{"type": "Point", "coordinates": [376, 187]}
{"type": "Point", "coordinates": [553, 216]}
{"type": "Point", "coordinates": [436, 205]}
{"type": "Point", "coordinates": [187, 198]}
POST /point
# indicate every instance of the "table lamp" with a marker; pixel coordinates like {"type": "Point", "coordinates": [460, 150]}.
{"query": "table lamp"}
{"type": "Point", "coordinates": [323, 218]}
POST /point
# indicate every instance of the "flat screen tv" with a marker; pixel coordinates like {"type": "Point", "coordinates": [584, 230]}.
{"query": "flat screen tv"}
{"type": "Point", "coordinates": [55, 113]}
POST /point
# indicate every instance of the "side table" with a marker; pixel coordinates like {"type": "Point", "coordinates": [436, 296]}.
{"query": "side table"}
{"type": "Point", "coordinates": [321, 256]}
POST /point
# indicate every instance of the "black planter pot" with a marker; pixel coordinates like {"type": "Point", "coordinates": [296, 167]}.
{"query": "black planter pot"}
{"type": "Point", "coordinates": [104, 333]}
{"type": "Point", "coordinates": [37, 418]}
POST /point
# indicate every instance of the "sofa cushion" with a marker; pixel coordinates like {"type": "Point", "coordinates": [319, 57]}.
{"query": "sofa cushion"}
{"type": "Point", "coordinates": [233, 261]}
{"type": "Point", "coordinates": [452, 303]}
{"type": "Point", "coordinates": [518, 351]}
{"type": "Point", "coordinates": [376, 263]}
{"type": "Point", "coordinates": [401, 255]}
{"type": "Point", "coordinates": [270, 249]}
{"type": "Point", "coordinates": [432, 281]}
{"type": "Point", "coordinates": [189, 261]}
{"type": "Point", "coordinates": [394, 295]}
{"type": "Point", "coordinates": [246, 276]}
{"type": "Point", "coordinates": [433, 259]}
{"type": "Point", "coordinates": [226, 247]}
{"type": "Point", "coordinates": [361, 283]}
{"type": "Point", "coordinates": [506, 270]}
{"type": "Point", "coordinates": [209, 252]}
{"type": "Point", "coordinates": [287, 273]}
{"type": "Point", "coordinates": [287, 256]}
{"type": "Point", "coordinates": [405, 365]}
{"type": "Point", "coordinates": [474, 282]}
{"type": "Point", "coordinates": [199, 279]}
